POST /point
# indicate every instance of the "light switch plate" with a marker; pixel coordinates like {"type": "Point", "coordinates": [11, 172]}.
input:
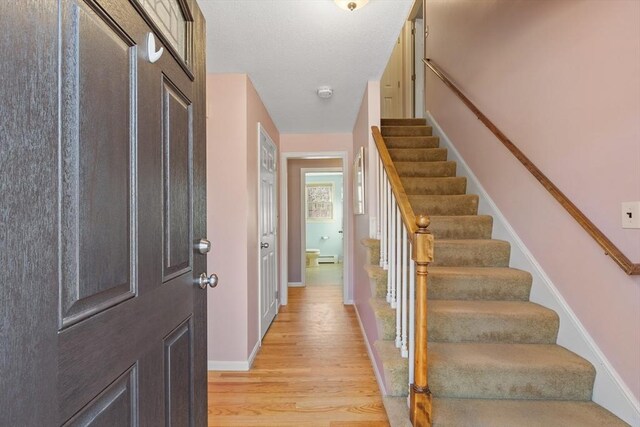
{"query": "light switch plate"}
{"type": "Point", "coordinates": [630, 214]}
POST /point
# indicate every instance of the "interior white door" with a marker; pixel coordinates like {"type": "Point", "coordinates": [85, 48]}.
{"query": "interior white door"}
{"type": "Point", "coordinates": [268, 232]}
{"type": "Point", "coordinates": [390, 85]}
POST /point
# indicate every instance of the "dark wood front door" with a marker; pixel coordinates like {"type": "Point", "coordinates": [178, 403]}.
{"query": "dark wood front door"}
{"type": "Point", "coordinates": [125, 202]}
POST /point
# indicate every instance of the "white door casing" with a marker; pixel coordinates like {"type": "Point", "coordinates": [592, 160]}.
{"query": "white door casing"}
{"type": "Point", "coordinates": [268, 228]}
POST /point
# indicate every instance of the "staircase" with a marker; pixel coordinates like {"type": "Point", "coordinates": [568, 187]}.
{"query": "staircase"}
{"type": "Point", "coordinates": [493, 357]}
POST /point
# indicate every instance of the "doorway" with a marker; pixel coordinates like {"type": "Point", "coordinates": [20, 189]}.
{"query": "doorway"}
{"type": "Point", "coordinates": [293, 258]}
{"type": "Point", "coordinates": [322, 225]}
{"type": "Point", "coordinates": [268, 224]}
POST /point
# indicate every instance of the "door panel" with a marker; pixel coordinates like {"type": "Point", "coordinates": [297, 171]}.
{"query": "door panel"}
{"type": "Point", "coordinates": [177, 157]}
{"type": "Point", "coordinates": [178, 355]}
{"type": "Point", "coordinates": [114, 406]}
{"type": "Point", "coordinates": [98, 212]}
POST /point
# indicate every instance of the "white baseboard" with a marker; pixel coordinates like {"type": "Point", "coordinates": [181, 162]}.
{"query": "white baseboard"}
{"type": "Point", "coordinates": [239, 365]}
{"type": "Point", "coordinates": [296, 284]}
{"type": "Point", "coordinates": [372, 359]}
{"type": "Point", "coordinates": [609, 389]}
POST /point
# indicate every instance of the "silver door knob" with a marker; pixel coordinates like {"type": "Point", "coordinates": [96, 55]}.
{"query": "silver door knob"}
{"type": "Point", "coordinates": [264, 245]}
{"type": "Point", "coordinates": [211, 280]}
{"type": "Point", "coordinates": [203, 246]}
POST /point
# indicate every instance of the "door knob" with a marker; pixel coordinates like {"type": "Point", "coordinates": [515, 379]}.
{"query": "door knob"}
{"type": "Point", "coordinates": [264, 245]}
{"type": "Point", "coordinates": [203, 246]}
{"type": "Point", "coordinates": [203, 281]}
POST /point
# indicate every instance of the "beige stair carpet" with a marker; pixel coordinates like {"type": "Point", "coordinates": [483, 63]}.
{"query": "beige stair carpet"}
{"type": "Point", "coordinates": [493, 357]}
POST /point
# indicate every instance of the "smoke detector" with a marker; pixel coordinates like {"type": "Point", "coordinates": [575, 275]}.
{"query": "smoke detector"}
{"type": "Point", "coordinates": [324, 92]}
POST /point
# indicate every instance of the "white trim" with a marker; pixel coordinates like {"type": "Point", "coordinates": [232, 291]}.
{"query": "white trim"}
{"type": "Point", "coordinates": [379, 380]}
{"type": "Point", "coordinates": [609, 389]}
{"type": "Point", "coordinates": [234, 365]}
{"type": "Point", "coordinates": [347, 288]}
{"type": "Point", "coordinates": [296, 285]}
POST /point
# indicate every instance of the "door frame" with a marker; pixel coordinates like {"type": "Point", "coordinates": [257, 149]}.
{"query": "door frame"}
{"type": "Point", "coordinates": [347, 286]}
{"type": "Point", "coordinates": [303, 218]}
{"type": "Point", "coordinates": [263, 131]}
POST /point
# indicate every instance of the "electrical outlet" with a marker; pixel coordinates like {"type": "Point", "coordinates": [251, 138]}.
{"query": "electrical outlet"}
{"type": "Point", "coordinates": [630, 214]}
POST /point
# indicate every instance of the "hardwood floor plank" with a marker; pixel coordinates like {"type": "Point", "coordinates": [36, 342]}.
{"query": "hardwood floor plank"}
{"type": "Point", "coordinates": [312, 370]}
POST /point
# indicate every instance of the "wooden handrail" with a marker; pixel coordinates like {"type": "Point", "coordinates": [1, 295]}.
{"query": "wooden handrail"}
{"type": "Point", "coordinates": [609, 247]}
{"type": "Point", "coordinates": [408, 217]}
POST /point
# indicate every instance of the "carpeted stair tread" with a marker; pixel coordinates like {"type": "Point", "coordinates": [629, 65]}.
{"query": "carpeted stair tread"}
{"type": "Point", "coordinates": [448, 204]}
{"type": "Point", "coordinates": [395, 367]}
{"type": "Point", "coordinates": [520, 413]}
{"type": "Point", "coordinates": [471, 253]}
{"type": "Point", "coordinates": [414, 185]}
{"type": "Point", "coordinates": [491, 321]}
{"type": "Point", "coordinates": [377, 280]}
{"type": "Point", "coordinates": [426, 169]}
{"type": "Point", "coordinates": [406, 130]}
{"type": "Point", "coordinates": [412, 141]}
{"type": "Point", "coordinates": [403, 122]}
{"type": "Point", "coordinates": [418, 154]}
{"type": "Point", "coordinates": [385, 318]}
{"type": "Point", "coordinates": [508, 371]}
{"type": "Point", "coordinates": [461, 226]}
{"type": "Point", "coordinates": [479, 283]}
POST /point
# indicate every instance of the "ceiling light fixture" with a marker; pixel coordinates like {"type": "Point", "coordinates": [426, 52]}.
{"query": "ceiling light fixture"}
{"type": "Point", "coordinates": [351, 4]}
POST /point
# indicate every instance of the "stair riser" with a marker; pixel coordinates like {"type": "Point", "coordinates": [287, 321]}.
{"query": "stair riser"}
{"type": "Point", "coordinates": [465, 204]}
{"type": "Point", "coordinates": [469, 383]}
{"type": "Point", "coordinates": [491, 254]}
{"type": "Point", "coordinates": [403, 122]}
{"type": "Point", "coordinates": [385, 319]}
{"type": "Point", "coordinates": [449, 287]}
{"type": "Point", "coordinates": [412, 142]}
{"type": "Point", "coordinates": [418, 154]}
{"type": "Point", "coordinates": [434, 186]}
{"type": "Point", "coordinates": [377, 281]}
{"type": "Point", "coordinates": [426, 169]}
{"type": "Point", "coordinates": [406, 131]}
{"type": "Point", "coordinates": [469, 327]}
{"type": "Point", "coordinates": [461, 227]}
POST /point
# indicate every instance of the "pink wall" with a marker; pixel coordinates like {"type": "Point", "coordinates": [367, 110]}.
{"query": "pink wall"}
{"type": "Point", "coordinates": [369, 115]}
{"type": "Point", "coordinates": [232, 219]}
{"type": "Point", "coordinates": [333, 143]}
{"type": "Point", "coordinates": [561, 79]}
{"type": "Point", "coordinates": [294, 210]}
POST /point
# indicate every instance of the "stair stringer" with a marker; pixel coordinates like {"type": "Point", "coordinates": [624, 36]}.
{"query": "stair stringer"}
{"type": "Point", "coordinates": [609, 390]}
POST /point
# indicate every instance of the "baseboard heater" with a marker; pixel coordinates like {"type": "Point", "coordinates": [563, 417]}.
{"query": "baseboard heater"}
{"type": "Point", "coordinates": [327, 259]}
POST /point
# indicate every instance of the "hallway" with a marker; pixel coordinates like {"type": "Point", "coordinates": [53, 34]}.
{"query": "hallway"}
{"type": "Point", "coordinates": [312, 370]}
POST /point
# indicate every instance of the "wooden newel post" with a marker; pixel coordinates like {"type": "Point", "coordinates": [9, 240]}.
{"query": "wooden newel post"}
{"type": "Point", "coordinates": [420, 406]}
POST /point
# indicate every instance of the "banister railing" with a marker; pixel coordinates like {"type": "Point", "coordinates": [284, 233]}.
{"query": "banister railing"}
{"type": "Point", "coordinates": [402, 233]}
{"type": "Point", "coordinates": [609, 247]}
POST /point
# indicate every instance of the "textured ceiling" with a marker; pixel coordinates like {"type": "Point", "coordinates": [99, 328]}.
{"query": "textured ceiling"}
{"type": "Point", "coordinates": [291, 47]}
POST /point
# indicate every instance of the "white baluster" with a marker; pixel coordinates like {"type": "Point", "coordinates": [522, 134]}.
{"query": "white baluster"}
{"type": "Point", "coordinates": [385, 219]}
{"type": "Point", "coordinates": [412, 314]}
{"type": "Point", "coordinates": [379, 195]}
{"type": "Point", "coordinates": [399, 269]}
{"type": "Point", "coordinates": [405, 287]}
{"type": "Point", "coordinates": [387, 251]}
{"type": "Point", "coordinates": [392, 252]}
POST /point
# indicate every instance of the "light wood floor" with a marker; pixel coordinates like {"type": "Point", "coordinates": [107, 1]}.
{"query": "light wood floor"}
{"type": "Point", "coordinates": [312, 370]}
